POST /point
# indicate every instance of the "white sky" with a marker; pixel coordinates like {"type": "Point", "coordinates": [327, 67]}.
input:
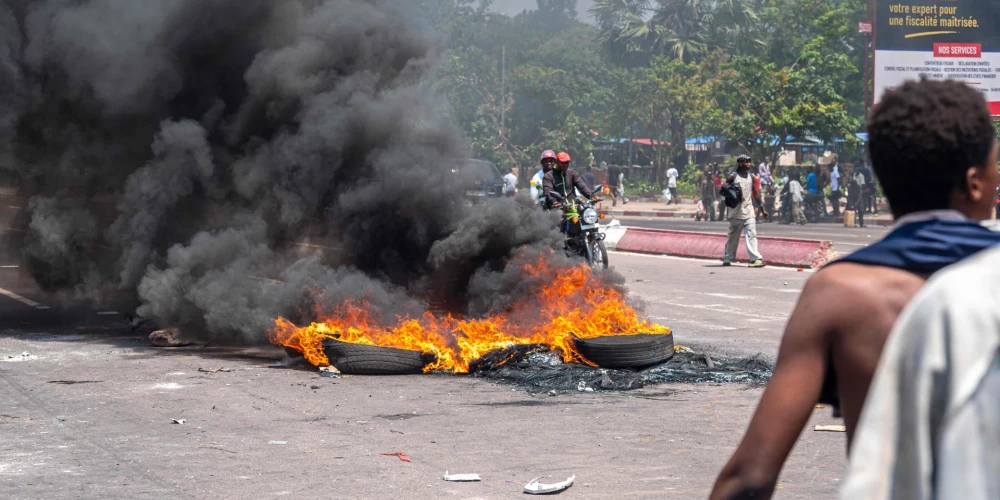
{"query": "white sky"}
{"type": "Point", "coordinates": [511, 7]}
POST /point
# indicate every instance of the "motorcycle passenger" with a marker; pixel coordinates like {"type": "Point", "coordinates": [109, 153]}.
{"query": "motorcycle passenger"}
{"type": "Point", "coordinates": [548, 162]}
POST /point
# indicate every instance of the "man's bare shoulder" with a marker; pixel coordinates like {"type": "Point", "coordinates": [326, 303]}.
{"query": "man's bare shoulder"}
{"type": "Point", "coordinates": [858, 288]}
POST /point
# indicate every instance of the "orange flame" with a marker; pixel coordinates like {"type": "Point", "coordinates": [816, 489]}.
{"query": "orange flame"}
{"type": "Point", "coordinates": [573, 303]}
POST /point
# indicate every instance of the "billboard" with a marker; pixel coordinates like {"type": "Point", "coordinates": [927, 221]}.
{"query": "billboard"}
{"type": "Point", "coordinates": [940, 39]}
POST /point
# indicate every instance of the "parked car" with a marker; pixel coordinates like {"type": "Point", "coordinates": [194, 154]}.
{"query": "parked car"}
{"type": "Point", "coordinates": [482, 180]}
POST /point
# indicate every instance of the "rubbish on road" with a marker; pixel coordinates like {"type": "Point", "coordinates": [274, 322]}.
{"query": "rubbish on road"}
{"type": "Point", "coordinates": [799, 270]}
{"type": "Point", "coordinates": [536, 488]}
{"type": "Point", "coordinates": [683, 349]}
{"type": "Point", "coordinates": [402, 456]}
{"type": "Point", "coordinates": [24, 356]}
{"type": "Point", "coordinates": [329, 371]}
{"type": "Point", "coordinates": [277, 442]}
{"type": "Point", "coordinates": [461, 478]}
{"type": "Point", "coordinates": [820, 407]}
{"type": "Point", "coordinates": [171, 337]}
{"type": "Point", "coordinates": [709, 362]}
{"type": "Point", "coordinates": [581, 386]}
{"type": "Point", "coordinates": [73, 382]}
{"type": "Point", "coordinates": [214, 370]}
{"type": "Point", "coordinates": [643, 281]}
{"type": "Point", "coordinates": [830, 428]}
{"type": "Point", "coordinates": [178, 420]}
{"type": "Point", "coordinates": [552, 392]}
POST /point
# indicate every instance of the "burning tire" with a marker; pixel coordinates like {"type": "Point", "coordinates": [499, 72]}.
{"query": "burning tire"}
{"type": "Point", "coordinates": [627, 351]}
{"type": "Point", "coordinates": [359, 359]}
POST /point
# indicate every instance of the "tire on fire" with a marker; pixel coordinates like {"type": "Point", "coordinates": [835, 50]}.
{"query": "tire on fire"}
{"type": "Point", "coordinates": [627, 351]}
{"type": "Point", "coordinates": [360, 359]}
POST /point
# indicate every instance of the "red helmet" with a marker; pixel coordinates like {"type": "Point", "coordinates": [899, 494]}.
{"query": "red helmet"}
{"type": "Point", "coordinates": [563, 158]}
{"type": "Point", "coordinates": [548, 155]}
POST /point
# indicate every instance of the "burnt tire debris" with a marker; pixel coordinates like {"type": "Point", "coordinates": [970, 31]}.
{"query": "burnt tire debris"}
{"type": "Point", "coordinates": [627, 351]}
{"type": "Point", "coordinates": [537, 368]}
{"type": "Point", "coordinates": [360, 359]}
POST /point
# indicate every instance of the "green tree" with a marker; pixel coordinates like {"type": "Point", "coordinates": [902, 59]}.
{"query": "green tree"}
{"type": "Point", "coordinates": [766, 104]}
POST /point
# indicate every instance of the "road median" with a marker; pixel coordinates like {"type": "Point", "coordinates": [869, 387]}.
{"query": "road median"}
{"type": "Point", "coordinates": [789, 252]}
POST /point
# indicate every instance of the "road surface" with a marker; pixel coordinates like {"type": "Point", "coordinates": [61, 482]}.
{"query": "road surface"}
{"type": "Point", "coordinates": [88, 411]}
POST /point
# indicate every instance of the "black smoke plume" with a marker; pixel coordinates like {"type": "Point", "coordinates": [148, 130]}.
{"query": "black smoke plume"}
{"type": "Point", "coordinates": [262, 158]}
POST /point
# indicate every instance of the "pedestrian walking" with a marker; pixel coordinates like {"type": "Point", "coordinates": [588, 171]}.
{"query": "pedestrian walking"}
{"type": "Point", "coordinates": [742, 218]}
{"type": "Point", "coordinates": [613, 181]}
{"type": "Point", "coordinates": [672, 184]}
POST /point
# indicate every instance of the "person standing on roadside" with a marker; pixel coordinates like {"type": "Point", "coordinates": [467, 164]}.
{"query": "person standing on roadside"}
{"type": "Point", "coordinates": [708, 193]}
{"type": "Point", "coordinates": [589, 179]}
{"type": "Point", "coordinates": [742, 218]}
{"type": "Point", "coordinates": [717, 178]}
{"type": "Point", "coordinates": [764, 172]}
{"type": "Point", "coordinates": [835, 188]}
{"type": "Point", "coordinates": [856, 195]}
{"type": "Point", "coordinates": [935, 151]}
{"type": "Point", "coordinates": [798, 196]}
{"type": "Point", "coordinates": [672, 184]}
{"type": "Point", "coordinates": [613, 180]}
{"type": "Point", "coordinates": [510, 183]}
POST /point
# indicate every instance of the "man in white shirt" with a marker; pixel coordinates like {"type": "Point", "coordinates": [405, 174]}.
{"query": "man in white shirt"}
{"type": "Point", "coordinates": [765, 174]}
{"type": "Point", "coordinates": [930, 427]}
{"type": "Point", "coordinates": [835, 188]}
{"type": "Point", "coordinates": [797, 192]}
{"type": "Point", "coordinates": [510, 183]}
{"type": "Point", "coordinates": [672, 184]}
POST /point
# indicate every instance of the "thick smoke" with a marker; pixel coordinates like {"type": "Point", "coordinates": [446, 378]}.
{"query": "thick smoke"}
{"type": "Point", "coordinates": [267, 158]}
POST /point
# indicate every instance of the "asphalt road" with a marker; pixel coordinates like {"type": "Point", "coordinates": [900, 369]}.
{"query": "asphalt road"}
{"type": "Point", "coordinates": [845, 239]}
{"type": "Point", "coordinates": [88, 411]}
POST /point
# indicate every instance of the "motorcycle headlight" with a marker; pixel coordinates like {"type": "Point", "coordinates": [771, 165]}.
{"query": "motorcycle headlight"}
{"type": "Point", "coordinates": [590, 216]}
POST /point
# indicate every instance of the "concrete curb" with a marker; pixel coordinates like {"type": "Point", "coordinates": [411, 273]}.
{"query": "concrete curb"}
{"type": "Point", "coordinates": [634, 213]}
{"type": "Point", "coordinates": [777, 251]}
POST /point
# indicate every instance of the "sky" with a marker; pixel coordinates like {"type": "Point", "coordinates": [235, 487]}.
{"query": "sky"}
{"type": "Point", "coordinates": [511, 7]}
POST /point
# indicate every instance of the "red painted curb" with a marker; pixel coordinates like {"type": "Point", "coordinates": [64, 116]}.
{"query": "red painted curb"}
{"type": "Point", "coordinates": [776, 251]}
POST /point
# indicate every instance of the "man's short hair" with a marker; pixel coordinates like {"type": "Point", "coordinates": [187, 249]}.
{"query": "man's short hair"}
{"type": "Point", "coordinates": [923, 138]}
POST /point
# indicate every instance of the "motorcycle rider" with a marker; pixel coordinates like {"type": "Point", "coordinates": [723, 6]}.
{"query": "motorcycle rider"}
{"type": "Point", "coordinates": [562, 180]}
{"type": "Point", "coordinates": [548, 162]}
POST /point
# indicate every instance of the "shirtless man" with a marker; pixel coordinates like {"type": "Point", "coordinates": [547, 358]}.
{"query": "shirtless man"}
{"type": "Point", "coordinates": [934, 149]}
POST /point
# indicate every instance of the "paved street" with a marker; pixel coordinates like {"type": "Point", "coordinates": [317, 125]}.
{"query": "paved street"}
{"type": "Point", "coordinates": [89, 409]}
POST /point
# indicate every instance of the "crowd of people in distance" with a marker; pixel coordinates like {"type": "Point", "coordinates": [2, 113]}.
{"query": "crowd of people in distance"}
{"type": "Point", "coordinates": [797, 195]}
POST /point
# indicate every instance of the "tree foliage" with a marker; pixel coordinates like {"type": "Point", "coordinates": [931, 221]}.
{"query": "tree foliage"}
{"type": "Point", "coordinates": [754, 71]}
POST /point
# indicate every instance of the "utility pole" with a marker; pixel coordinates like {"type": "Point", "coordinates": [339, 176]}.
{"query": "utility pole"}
{"type": "Point", "coordinates": [630, 144]}
{"type": "Point", "coordinates": [503, 88]}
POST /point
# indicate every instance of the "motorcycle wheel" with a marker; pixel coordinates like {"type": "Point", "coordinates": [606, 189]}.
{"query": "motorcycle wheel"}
{"type": "Point", "coordinates": [598, 256]}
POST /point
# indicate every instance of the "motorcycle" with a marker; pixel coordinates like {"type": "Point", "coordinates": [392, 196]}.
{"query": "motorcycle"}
{"type": "Point", "coordinates": [814, 207]}
{"type": "Point", "coordinates": [580, 224]}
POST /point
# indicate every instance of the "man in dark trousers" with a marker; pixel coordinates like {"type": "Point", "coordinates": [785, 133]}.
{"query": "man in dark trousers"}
{"type": "Point", "coordinates": [589, 179]}
{"type": "Point", "coordinates": [935, 152]}
{"type": "Point", "coordinates": [613, 174]}
{"type": "Point", "coordinates": [708, 193]}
